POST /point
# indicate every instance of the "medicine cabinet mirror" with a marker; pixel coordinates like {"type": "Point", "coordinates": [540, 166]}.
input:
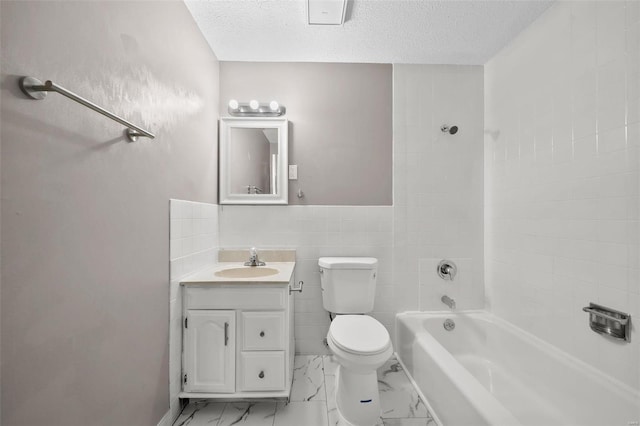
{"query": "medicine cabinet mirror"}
{"type": "Point", "coordinates": [253, 161]}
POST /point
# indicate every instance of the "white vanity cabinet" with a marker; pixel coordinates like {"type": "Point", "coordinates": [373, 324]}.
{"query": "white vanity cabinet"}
{"type": "Point", "coordinates": [238, 340]}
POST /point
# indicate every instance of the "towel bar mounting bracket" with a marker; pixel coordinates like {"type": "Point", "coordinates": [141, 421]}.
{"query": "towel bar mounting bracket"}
{"type": "Point", "coordinates": [27, 85]}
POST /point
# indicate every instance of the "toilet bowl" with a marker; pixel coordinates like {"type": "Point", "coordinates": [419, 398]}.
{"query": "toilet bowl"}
{"type": "Point", "coordinates": [359, 342]}
{"type": "Point", "coordinates": [360, 345]}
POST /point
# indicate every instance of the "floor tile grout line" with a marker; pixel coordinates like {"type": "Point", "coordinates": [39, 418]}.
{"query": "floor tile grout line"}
{"type": "Point", "coordinates": [226, 404]}
{"type": "Point", "coordinates": [275, 413]}
{"type": "Point", "coordinates": [221, 413]}
{"type": "Point", "coordinates": [326, 393]}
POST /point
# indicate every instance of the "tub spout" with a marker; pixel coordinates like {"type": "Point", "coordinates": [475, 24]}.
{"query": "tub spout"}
{"type": "Point", "coordinates": [449, 302]}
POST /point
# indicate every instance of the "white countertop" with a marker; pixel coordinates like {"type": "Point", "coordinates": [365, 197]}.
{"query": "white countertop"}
{"type": "Point", "coordinates": [208, 275]}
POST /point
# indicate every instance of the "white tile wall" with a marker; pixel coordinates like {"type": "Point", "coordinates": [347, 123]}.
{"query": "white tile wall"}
{"type": "Point", "coordinates": [193, 245]}
{"type": "Point", "coordinates": [562, 135]}
{"type": "Point", "coordinates": [316, 231]}
{"type": "Point", "coordinates": [437, 211]}
{"type": "Point", "coordinates": [462, 289]}
{"type": "Point", "coordinates": [438, 184]}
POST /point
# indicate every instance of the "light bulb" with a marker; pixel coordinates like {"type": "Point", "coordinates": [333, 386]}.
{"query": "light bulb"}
{"type": "Point", "coordinates": [254, 104]}
{"type": "Point", "coordinates": [274, 106]}
{"type": "Point", "coordinates": [233, 104]}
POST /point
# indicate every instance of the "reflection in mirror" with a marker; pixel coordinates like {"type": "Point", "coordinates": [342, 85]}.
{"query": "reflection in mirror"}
{"type": "Point", "coordinates": [254, 155]}
{"type": "Point", "coordinates": [253, 161]}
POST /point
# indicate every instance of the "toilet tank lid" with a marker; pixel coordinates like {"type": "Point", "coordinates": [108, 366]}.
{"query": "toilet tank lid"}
{"type": "Point", "coordinates": [348, 262]}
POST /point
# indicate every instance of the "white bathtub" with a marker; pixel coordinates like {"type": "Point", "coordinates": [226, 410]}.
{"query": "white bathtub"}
{"type": "Point", "coordinates": [489, 372]}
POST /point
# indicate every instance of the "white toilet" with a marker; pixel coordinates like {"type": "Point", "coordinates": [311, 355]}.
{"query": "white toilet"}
{"type": "Point", "coordinates": [359, 342]}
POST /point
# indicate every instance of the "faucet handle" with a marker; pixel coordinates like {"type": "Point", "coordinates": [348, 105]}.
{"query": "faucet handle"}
{"type": "Point", "coordinates": [447, 270]}
{"type": "Point", "coordinates": [451, 271]}
{"type": "Point", "coordinates": [253, 252]}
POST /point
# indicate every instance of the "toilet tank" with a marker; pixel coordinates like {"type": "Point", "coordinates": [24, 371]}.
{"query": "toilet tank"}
{"type": "Point", "coordinates": [348, 284]}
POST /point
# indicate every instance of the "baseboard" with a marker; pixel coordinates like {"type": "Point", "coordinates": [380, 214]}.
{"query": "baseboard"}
{"type": "Point", "coordinates": [171, 415]}
{"type": "Point", "coordinates": [166, 420]}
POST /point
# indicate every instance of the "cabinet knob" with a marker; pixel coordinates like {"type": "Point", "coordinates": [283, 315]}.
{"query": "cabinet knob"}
{"type": "Point", "coordinates": [261, 375]}
{"type": "Point", "coordinates": [262, 334]}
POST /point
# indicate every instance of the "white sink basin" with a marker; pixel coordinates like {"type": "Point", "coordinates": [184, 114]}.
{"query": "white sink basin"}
{"type": "Point", "coordinates": [247, 272]}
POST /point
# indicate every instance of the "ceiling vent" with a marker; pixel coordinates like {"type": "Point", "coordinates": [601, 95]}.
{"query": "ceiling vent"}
{"type": "Point", "coordinates": [326, 12]}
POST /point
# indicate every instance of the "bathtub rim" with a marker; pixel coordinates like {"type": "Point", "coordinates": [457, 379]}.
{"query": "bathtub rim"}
{"type": "Point", "coordinates": [622, 389]}
{"type": "Point", "coordinates": [424, 399]}
{"type": "Point", "coordinates": [486, 405]}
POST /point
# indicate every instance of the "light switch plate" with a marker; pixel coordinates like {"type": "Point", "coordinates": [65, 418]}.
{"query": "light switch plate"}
{"type": "Point", "coordinates": [293, 172]}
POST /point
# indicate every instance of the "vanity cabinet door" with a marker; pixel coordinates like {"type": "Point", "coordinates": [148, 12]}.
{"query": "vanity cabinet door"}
{"type": "Point", "coordinates": [209, 351]}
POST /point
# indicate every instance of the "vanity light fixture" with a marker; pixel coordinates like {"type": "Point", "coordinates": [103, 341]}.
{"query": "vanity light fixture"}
{"type": "Point", "coordinates": [254, 108]}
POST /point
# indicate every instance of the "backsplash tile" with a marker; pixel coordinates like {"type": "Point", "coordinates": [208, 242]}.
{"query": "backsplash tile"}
{"type": "Point", "coordinates": [316, 231]}
{"type": "Point", "coordinates": [242, 255]}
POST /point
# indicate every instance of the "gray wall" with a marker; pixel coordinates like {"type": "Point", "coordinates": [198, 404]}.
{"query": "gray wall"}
{"type": "Point", "coordinates": [341, 130]}
{"type": "Point", "coordinates": [85, 292]}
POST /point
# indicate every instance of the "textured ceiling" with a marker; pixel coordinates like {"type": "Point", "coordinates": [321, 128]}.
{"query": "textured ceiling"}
{"type": "Point", "coordinates": [382, 31]}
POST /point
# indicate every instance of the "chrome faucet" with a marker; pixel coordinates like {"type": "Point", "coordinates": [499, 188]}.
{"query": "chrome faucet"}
{"type": "Point", "coordinates": [449, 302]}
{"type": "Point", "coordinates": [253, 258]}
{"type": "Point", "coordinates": [447, 270]}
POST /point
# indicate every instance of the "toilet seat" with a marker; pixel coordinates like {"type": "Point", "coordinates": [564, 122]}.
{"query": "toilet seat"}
{"type": "Point", "coordinates": [359, 335]}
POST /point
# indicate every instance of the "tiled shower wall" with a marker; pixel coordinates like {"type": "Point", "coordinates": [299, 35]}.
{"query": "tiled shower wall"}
{"type": "Point", "coordinates": [562, 136]}
{"type": "Point", "coordinates": [193, 245]}
{"type": "Point", "coordinates": [438, 185]}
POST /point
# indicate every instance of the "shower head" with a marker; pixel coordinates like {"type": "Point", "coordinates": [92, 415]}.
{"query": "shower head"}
{"type": "Point", "coordinates": [451, 130]}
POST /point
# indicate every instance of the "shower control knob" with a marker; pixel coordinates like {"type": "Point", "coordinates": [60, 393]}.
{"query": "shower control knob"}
{"type": "Point", "coordinates": [262, 334]}
{"type": "Point", "coordinates": [447, 270]}
{"type": "Point", "coordinates": [261, 375]}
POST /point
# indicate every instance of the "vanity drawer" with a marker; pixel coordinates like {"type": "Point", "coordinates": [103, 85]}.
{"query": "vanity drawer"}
{"type": "Point", "coordinates": [235, 297]}
{"type": "Point", "coordinates": [263, 331]}
{"type": "Point", "coordinates": [262, 371]}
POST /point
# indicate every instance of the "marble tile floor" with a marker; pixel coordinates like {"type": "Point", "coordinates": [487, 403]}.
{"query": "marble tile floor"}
{"type": "Point", "coordinates": [313, 401]}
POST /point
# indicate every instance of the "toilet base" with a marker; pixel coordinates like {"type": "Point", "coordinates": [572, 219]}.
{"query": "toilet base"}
{"type": "Point", "coordinates": [357, 397]}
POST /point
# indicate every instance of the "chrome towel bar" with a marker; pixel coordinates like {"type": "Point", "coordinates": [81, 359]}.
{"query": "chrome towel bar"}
{"type": "Point", "coordinates": [35, 89]}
